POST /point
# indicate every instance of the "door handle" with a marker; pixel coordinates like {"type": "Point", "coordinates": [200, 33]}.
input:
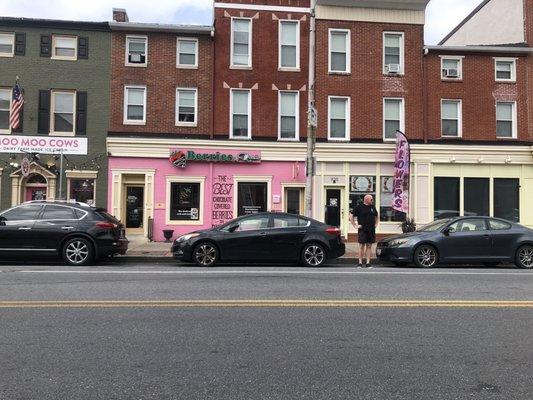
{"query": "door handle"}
{"type": "Point", "coordinates": [263, 234]}
{"type": "Point", "coordinates": [67, 228]}
{"type": "Point", "coordinates": [303, 231]}
{"type": "Point", "coordinates": [24, 228]}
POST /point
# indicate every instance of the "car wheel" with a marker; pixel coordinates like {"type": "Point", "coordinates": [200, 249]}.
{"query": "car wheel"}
{"type": "Point", "coordinates": [426, 256]}
{"type": "Point", "coordinates": [313, 255]}
{"type": "Point", "coordinates": [524, 257]}
{"type": "Point", "coordinates": [78, 251]}
{"type": "Point", "coordinates": [205, 254]}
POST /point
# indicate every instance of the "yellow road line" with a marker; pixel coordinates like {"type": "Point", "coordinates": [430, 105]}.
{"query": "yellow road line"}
{"type": "Point", "coordinates": [264, 303]}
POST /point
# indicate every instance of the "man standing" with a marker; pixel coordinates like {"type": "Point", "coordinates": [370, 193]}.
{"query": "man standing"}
{"type": "Point", "coordinates": [365, 219]}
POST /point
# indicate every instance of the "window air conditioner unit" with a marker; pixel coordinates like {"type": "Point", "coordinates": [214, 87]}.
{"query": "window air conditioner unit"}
{"type": "Point", "coordinates": [451, 73]}
{"type": "Point", "coordinates": [136, 58]}
{"type": "Point", "coordinates": [393, 68]}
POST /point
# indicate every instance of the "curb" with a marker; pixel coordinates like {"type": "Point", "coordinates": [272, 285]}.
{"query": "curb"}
{"type": "Point", "coordinates": [170, 261]}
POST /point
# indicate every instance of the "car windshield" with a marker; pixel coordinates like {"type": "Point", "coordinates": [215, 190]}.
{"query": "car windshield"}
{"type": "Point", "coordinates": [434, 226]}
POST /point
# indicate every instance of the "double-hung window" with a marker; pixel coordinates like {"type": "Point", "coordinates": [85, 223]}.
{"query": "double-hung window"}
{"type": "Point", "coordinates": [7, 44]}
{"type": "Point", "coordinates": [187, 56]}
{"type": "Point", "coordinates": [506, 120]}
{"type": "Point", "coordinates": [339, 118]}
{"type": "Point", "coordinates": [339, 51]}
{"type": "Point", "coordinates": [64, 47]}
{"type": "Point", "coordinates": [393, 49]}
{"type": "Point", "coordinates": [505, 69]}
{"type": "Point", "coordinates": [186, 107]}
{"type": "Point", "coordinates": [393, 118]}
{"type": "Point", "coordinates": [241, 42]}
{"type": "Point", "coordinates": [240, 114]}
{"type": "Point", "coordinates": [135, 105]}
{"type": "Point", "coordinates": [451, 67]}
{"type": "Point", "coordinates": [451, 118]}
{"type": "Point", "coordinates": [5, 107]}
{"type": "Point", "coordinates": [288, 115]}
{"type": "Point", "coordinates": [137, 51]}
{"type": "Point", "coordinates": [63, 112]}
{"type": "Point", "coordinates": [289, 45]}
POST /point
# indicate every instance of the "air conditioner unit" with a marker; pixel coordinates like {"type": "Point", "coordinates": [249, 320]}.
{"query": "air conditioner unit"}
{"type": "Point", "coordinates": [393, 68]}
{"type": "Point", "coordinates": [136, 58]}
{"type": "Point", "coordinates": [451, 73]}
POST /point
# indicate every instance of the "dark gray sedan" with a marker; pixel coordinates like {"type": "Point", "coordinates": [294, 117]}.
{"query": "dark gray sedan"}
{"type": "Point", "coordinates": [485, 240]}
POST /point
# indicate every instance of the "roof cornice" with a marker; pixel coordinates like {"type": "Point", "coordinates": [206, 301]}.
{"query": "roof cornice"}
{"type": "Point", "coordinates": [480, 49]}
{"type": "Point", "coordinates": [169, 28]}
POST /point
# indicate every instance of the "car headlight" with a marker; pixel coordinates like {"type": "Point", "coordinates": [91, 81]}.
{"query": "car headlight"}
{"type": "Point", "coordinates": [189, 236]}
{"type": "Point", "coordinates": [398, 242]}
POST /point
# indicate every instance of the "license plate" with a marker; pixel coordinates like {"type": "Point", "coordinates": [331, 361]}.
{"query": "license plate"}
{"type": "Point", "coordinates": [378, 252]}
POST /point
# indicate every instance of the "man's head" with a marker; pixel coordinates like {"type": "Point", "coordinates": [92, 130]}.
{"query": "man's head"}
{"type": "Point", "coordinates": [368, 199]}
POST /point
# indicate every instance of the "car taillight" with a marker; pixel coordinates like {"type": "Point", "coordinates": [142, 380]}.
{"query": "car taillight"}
{"type": "Point", "coordinates": [333, 231]}
{"type": "Point", "coordinates": [106, 225]}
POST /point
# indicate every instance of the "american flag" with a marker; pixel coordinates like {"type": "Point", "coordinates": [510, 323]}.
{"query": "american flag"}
{"type": "Point", "coordinates": [16, 107]}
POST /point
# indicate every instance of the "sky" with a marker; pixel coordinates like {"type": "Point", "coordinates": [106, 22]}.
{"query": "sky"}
{"type": "Point", "coordinates": [442, 15]}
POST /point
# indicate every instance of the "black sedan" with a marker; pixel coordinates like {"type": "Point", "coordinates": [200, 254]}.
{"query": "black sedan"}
{"type": "Point", "coordinates": [262, 237]}
{"type": "Point", "coordinates": [483, 240]}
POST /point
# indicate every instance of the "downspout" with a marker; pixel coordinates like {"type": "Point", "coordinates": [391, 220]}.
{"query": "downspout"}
{"type": "Point", "coordinates": [425, 96]}
{"type": "Point", "coordinates": [212, 74]}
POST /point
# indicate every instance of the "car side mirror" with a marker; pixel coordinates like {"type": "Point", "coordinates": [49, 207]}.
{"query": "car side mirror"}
{"type": "Point", "coordinates": [3, 221]}
{"type": "Point", "coordinates": [448, 230]}
{"type": "Point", "coordinates": [233, 228]}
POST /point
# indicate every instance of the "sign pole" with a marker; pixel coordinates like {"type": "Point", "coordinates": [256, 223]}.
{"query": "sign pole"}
{"type": "Point", "coordinates": [61, 175]}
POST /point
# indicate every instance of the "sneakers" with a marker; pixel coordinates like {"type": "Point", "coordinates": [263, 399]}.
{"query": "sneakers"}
{"type": "Point", "coordinates": [369, 266]}
{"type": "Point", "coordinates": [359, 265]}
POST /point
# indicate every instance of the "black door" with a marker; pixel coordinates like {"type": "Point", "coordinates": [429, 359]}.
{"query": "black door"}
{"type": "Point", "coordinates": [293, 196]}
{"type": "Point", "coordinates": [333, 207]}
{"type": "Point", "coordinates": [249, 241]}
{"type": "Point", "coordinates": [285, 237]}
{"type": "Point", "coordinates": [469, 239]}
{"type": "Point", "coordinates": [504, 238]}
{"type": "Point", "coordinates": [16, 228]}
{"type": "Point", "coordinates": [54, 224]}
{"type": "Point", "coordinates": [252, 198]}
{"type": "Point", "coordinates": [134, 206]}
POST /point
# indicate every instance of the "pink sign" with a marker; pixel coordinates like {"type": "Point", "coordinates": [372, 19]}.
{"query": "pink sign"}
{"type": "Point", "coordinates": [43, 144]}
{"type": "Point", "coordinates": [400, 199]}
{"type": "Point", "coordinates": [181, 157]}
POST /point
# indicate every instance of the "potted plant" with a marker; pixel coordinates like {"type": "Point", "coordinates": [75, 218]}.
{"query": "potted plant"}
{"type": "Point", "coordinates": [168, 233]}
{"type": "Point", "coordinates": [408, 225]}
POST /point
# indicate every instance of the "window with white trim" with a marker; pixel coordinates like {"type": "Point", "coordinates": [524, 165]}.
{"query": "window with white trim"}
{"type": "Point", "coordinates": [7, 44]}
{"type": "Point", "coordinates": [505, 69]}
{"type": "Point", "coordinates": [187, 56]}
{"type": "Point", "coordinates": [240, 114]}
{"type": "Point", "coordinates": [393, 117]}
{"type": "Point", "coordinates": [64, 47]}
{"type": "Point", "coordinates": [393, 49]}
{"type": "Point", "coordinates": [135, 105]}
{"type": "Point", "coordinates": [451, 118]}
{"type": "Point", "coordinates": [339, 50]}
{"type": "Point", "coordinates": [63, 112]}
{"type": "Point", "coordinates": [506, 120]}
{"type": "Point", "coordinates": [288, 115]}
{"type": "Point", "coordinates": [5, 109]}
{"type": "Point", "coordinates": [338, 118]}
{"type": "Point", "coordinates": [81, 190]}
{"type": "Point", "coordinates": [186, 106]}
{"type": "Point", "coordinates": [137, 51]}
{"type": "Point", "coordinates": [184, 201]}
{"type": "Point", "coordinates": [241, 42]}
{"type": "Point", "coordinates": [451, 68]}
{"type": "Point", "coordinates": [289, 44]}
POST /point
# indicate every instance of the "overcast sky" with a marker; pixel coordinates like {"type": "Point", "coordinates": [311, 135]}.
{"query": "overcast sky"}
{"type": "Point", "coordinates": [442, 15]}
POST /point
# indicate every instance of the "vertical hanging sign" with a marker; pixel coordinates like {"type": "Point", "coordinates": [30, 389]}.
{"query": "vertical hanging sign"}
{"type": "Point", "coordinates": [402, 164]}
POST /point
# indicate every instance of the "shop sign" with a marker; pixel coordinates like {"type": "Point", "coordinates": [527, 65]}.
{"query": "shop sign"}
{"type": "Point", "coordinates": [25, 167]}
{"type": "Point", "coordinates": [402, 162]}
{"type": "Point", "coordinates": [43, 144]}
{"type": "Point", "coordinates": [180, 158]}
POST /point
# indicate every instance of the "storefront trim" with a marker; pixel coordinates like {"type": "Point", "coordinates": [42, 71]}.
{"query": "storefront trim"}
{"type": "Point", "coordinates": [185, 179]}
{"type": "Point", "coordinates": [80, 174]}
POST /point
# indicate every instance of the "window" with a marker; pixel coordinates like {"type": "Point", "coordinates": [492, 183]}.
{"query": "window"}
{"type": "Point", "coordinates": [339, 118]}
{"type": "Point", "coordinates": [339, 50]}
{"type": "Point", "coordinates": [241, 42]}
{"type": "Point", "coordinates": [187, 53]}
{"type": "Point", "coordinates": [253, 223]}
{"type": "Point", "coordinates": [7, 44]}
{"type": "Point", "coordinates": [252, 197]}
{"type": "Point", "coordinates": [476, 196]}
{"type": "Point", "coordinates": [451, 68]}
{"type": "Point", "coordinates": [5, 107]}
{"type": "Point", "coordinates": [386, 212]}
{"type": "Point", "coordinates": [288, 116]}
{"type": "Point", "coordinates": [393, 118]}
{"type": "Point", "coordinates": [506, 120]}
{"type": "Point", "coordinates": [184, 201]}
{"type": "Point", "coordinates": [81, 190]}
{"type": "Point", "coordinates": [63, 110]}
{"type": "Point", "coordinates": [293, 200]}
{"type": "Point", "coordinates": [359, 187]}
{"type": "Point", "coordinates": [505, 69]}
{"type": "Point", "coordinates": [241, 118]}
{"type": "Point", "coordinates": [135, 105]}
{"type": "Point", "coordinates": [289, 44]}
{"type": "Point", "coordinates": [507, 198]}
{"type": "Point", "coordinates": [497, 225]}
{"type": "Point", "coordinates": [23, 213]}
{"type": "Point", "coordinates": [451, 117]}
{"type": "Point", "coordinates": [137, 51]}
{"type": "Point", "coordinates": [468, 225]}
{"type": "Point", "coordinates": [393, 53]}
{"type": "Point", "coordinates": [57, 212]}
{"type": "Point", "coordinates": [285, 221]}
{"type": "Point", "coordinates": [187, 107]}
{"type": "Point", "coordinates": [64, 47]}
{"type": "Point", "coordinates": [446, 197]}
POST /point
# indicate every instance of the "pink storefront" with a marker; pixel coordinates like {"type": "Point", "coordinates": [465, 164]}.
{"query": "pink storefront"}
{"type": "Point", "coordinates": [200, 188]}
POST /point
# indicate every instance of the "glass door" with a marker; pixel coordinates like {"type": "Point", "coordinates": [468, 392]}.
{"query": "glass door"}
{"type": "Point", "coordinates": [294, 200]}
{"type": "Point", "coordinates": [134, 207]}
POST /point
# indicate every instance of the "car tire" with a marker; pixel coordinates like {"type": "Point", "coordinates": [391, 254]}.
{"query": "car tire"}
{"type": "Point", "coordinates": [426, 256]}
{"type": "Point", "coordinates": [205, 254]}
{"type": "Point", "coordinates": [524, 257]}
{"type": "Point", "coordinates": [313, 255]}
{"type": "Point", "coordinates": [78, 251]}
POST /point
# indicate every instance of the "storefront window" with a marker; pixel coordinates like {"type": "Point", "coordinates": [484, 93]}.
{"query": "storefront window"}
{"type": "Point", "coordinates": [446, 197]}
{"type": "Point", "coordinates": [82, 190]}
{"type": "Point", "coordinates": [476, 196]}
{"type": "Point", "coordinates": [507, 199]}
{"type": "Point", "coordinates": [359, 187]}
{"type": "Point", "coordinates": [386, 212]}
{"type": "Point", "coordinates": [184, 201]}
{"type": "Point", "coordinates": [252, 197]}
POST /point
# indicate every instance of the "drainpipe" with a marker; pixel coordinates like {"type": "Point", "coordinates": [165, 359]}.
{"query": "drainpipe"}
{"type": "Point", "coordinates": [425, 95]}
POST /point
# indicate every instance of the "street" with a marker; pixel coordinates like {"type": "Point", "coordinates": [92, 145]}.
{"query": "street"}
{"type": "Point", "coordinates": [264, 332]}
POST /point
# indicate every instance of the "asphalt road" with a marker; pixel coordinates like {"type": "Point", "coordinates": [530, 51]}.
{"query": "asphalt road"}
{"type": "Point", "coordinates": [166, 332]}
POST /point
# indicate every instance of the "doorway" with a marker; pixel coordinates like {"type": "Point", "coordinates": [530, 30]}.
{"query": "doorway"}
{"type": "Point", "coordinates": [35, 187]}
{"type": "Point", "coordinates": [333, 207]}
{"type": "Point", "coordinates": [293, 200]}
{"type": "Point", "coordinates": [134, 208]}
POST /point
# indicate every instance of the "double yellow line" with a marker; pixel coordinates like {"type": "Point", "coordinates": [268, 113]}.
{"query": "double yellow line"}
{"type": "Point", "coordinates": [265, 303]}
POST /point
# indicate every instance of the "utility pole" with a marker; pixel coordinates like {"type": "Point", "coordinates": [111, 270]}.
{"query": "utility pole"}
{"type": "Point", "coordinates": [311, 118]}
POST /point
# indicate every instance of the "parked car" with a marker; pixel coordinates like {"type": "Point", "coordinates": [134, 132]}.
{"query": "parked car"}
{"type": "Point", "coordinates": [77, 232]}
{"type": "Point", "coordinates": [262, 237]}
{"type": "Point", "coordinates": [461, 240]}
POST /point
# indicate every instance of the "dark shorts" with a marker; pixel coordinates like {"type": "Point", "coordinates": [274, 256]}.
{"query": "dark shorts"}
{"type": "Point", "coordinates": [365, 236]}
